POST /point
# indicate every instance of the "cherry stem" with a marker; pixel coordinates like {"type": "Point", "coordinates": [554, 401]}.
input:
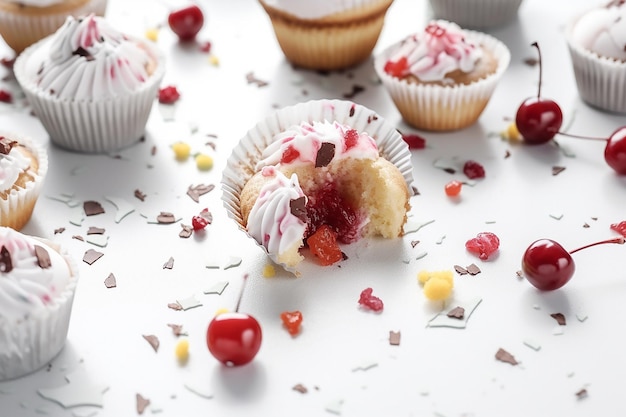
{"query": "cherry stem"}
{"type": "Point", "coordinates": [618, 240]}
{"type": "Point", "coordinates": [536, 45]}
{"type": "Point", "coordinates": [243, 287]}
{"type": "Point", "coordinates": [580, 136]}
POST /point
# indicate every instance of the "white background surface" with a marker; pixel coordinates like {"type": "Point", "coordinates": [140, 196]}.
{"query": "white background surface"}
{"type": "Point", "coordinates": [434, 371]}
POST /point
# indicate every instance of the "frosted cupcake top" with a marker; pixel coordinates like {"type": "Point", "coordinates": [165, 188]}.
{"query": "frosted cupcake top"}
{"type": "Point", "coordinates": [317, 143]}
{"type": "Point", "coordinates": [443, 47]}
{"type": "Point", "coordinates": [32, 275]}
{"type": "Point", "coordinates": [315, 9]}
{"type": "Point", "coordinates": [603, 30]}
{"type": "Point", "coordinates": [87, 58]}
{"type": "Point", "coordinates": [37, 3]}
{"type": "Point", "coordinates": [277, 219]}
{"type": "Point", "coordinates": [12, 163]}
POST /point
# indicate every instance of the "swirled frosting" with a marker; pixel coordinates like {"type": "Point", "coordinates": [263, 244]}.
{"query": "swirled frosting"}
{"type": "Point", "coordinates": [603, 30]}
{"type": "Point", "coordinates": [318, 143]}
{"type": "Point", "coordinates": [315, 9]}
{"type": "Point", "coordinates": [277, 218]}
{"type": "Point", "coordinates": [32, 274]}
{"type": "Point", "coordinates": [87, 58]}
{"type": "Point", "coordinates": [440, 49]}
{"type": "Point", "coordinates": [12, 164]}
{"type": "Point", "coordinates": [37, 3]}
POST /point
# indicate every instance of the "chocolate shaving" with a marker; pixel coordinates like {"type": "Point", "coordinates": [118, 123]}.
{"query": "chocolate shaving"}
{"type": "Point", "coordinates": [6, 264]}
{"type": "Point", "coordinates": [140, 195]}
{"type": "Point", "coordinates": [298, 208]}
{"type": "Point", "coordinates": [504, 356]}
{"type": "Point", "coordinates": [325, 154]}
{"type": "Point", "coordinates": [582, 394]}
{"type": "Point", "coordinates": [352, 110]}
{"type": "Point", "coordinates": [78, 237]}
{"type": "Point", "coordinates": [175, 306]}
{"type": "Point", "coordinates": [460, 270]}
{"type": "Point", "coordinates": [186, 231]}
{"type": "Point", "coordinates": [59, 230]}
{"type": "Point", "coordinates": [394, 338]}
{"type": "Point", "coordinates": [177, 329]}
{"type": "Point", "coordinates": [166, 218]}
{"type": "Point", "coordinates": [560, 318]}
{"type": "Point", "coordinates": [457, 313]}
{"type": "Point", "coordinates": [43, 257]}
{"type": "Point", "coordinates": [414, 243]}
{"type": "Point", "coordinates": [80, 51]}
{"type": "Point", "coordinates": [95, 230]}
{"type": "Point", "coordinates": [556, 170]}
{"type": "Point", "coordinates": [6, 145]}
{"type": "Point", "coordinates": [110, 281]}
{"type": "Point", "coordinates": [142, 404]}
{"type": "Point", "coordinates": [153, 340]}
{"type": "Point", "coordinates": [252, 79]}
{"type": "Point", "coordinates": [91, 256]}
{"type": "Point", "coordinates": [169, 264]}
{"type": "Point", "coordinates": [473, 269]}
{"type": "Point", "coordinates": [196, 191]}
{"type": "Point", "coordinates": [300, 388]}
{"type": "Point", "coordinates": [92, 208]}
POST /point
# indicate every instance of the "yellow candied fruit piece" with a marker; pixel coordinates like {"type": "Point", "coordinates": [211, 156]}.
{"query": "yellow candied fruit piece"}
{"type": "Point", "coordinates": [152, 34]}
{"type": "Point", "coordinates": [447, 275]}
{"type": "Point", "coordinates": [182, 350]}
{"type": "Point", "coordinates": [213, 60]}
{"type": "Point", "coordinates": [204, 162]}
{"type": "Point", "coordinates": [269, 271]}
{"type": "Point", "coordinates": [512, 133]}
{"type": "Point", "coordinates": [181, 150]}
{"type": "Point", "coordinates": [221, 310]}
{"type": "Point", "coordinates": [437, 288]}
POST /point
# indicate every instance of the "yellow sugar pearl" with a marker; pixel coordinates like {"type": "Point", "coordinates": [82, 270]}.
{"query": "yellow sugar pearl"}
{"type": "Point", "coordinates": [512, 133]}
{"type": "Point", "coordinates": [269, 271]}
{"type": "Point", "coordinates": [204, 162]}
{"type": "Point", "coordinates": [424, 276]}
{"type": "Point", "coordinates": [221, 310]}
{"type": "Point", "coordinates": [182, 350]}
{"type": "Point", "coordinates": [213, 60]}
{"type": "Point", "coordinates": [152, 34]}
{"type": "Point", "coordinates": [437, 289]}
{"type": "Point", "coordinates": [181, 150]}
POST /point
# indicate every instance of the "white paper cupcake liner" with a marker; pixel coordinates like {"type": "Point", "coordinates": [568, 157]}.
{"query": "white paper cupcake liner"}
{"type": "Point", "coordinates": [424, 100]}
{"type": "Point", "coordinates": [476, 14]}
{"type": "Point", "coordinates": [93, 126]}
{"type": "Point", "coordinates": [17, 208]}
{"type": "Point", "coordinates": [31, 343]}
{"type": "Point", "coordinates": [30, 28]}
{"type": "Point", "coordinates": [241, 163]}
{"type": "Point", "coordinates": [601, 81]}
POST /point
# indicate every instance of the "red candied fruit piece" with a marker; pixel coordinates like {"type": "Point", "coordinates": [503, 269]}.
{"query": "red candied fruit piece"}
{"type": "Point", "coordinates": [397, 69]}
{"type": "Point", "coordinates": [323, 244]}
{"type": "Point", "coordinates": [414, 141]}
{"type": "Point", "coordinates": [473, 170]}
{"type": "Point", "coordinates": [351, 138]}
{"type": "Point", "coordinates": [483, 245]}
{"type": "Point", "coordinates": [5, 96]}
{"type": "Point", "coordinates": [290, 154]}
{"type": "Point", "coordinates": [453, 188]}
{"type": "Point", "coordinates": [370, 301]}
{"type": "Point", "coordinates": [168, 95]}
{"type": "Point", "coordinates": [292, 321]}
{"type": "Point", "coordinates": [202, 220]}
{"type": "Point", "coordinates": [620, 227]}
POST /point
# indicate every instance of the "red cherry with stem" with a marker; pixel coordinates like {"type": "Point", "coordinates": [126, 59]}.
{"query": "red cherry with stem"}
{"type": "Point", "coordinates": [538, 119]}
{"type": "Point", "coordinates": [548, 266]}
{"type": "Point", "coordinates": [615, 150]}
{"type": "Point", "coordinates": [234, 338]}
{"type": "Point", "coordinates": [186, 22]}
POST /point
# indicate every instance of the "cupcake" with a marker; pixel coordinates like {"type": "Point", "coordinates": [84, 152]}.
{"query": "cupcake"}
{"type": "Point", "coordinates": [327, 34]}
{"type": "Point", "coordinates": [476, 14]}
{"type": "Point", "coordinates": [37, 285]}
{"type": "Point", "coordinates": [91, 86]}
{"type": "Point", "coordinates": [596, 40]}
{"type": "Point", "coordinates": [442, 78]}
{"type": "Point", "coordinates": [325, 163]}
{"type": "Point", "coordinates": [23, 168]}
{"type": "Point", "coordinates": [24, 22]}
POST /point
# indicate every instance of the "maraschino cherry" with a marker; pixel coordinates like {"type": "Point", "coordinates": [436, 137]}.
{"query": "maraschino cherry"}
{"type": "Point", "coordinates": [548, 266]}
{"type": "Point", "coordinates": [538, 119]}
{"type": "Point", "coordinates": [615, 150]}
{"type": "Point", "coordinates": [186, 22]}
{"type": "Point", "coordinates": [234, 338]}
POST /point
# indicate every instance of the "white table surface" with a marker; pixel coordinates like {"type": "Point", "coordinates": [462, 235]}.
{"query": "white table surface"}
{"type": "Point", "coordinates": [434, 371]}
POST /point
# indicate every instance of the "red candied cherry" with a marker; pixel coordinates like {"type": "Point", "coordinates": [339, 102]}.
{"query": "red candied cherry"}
{"type": "Point", "coordinates": [168, 95]}
{"type": "Point", "coordinates": [414, 141]}
{"type": "Point", "coordinates": [614, 151]}
{"type": "Point", "coordinates": [619, 227]}
{"type": "Point", "coordinates": [292, 320]}
{"type": "Point", "coordinates": [473, 170]}
{"type": "Point", "coordinates": [234, 338]}
{"type": "Point", "coordinates": [368, 300]}
{"type": "Point", "coordinates": [186, 22]}
{"type": "Point", "coordinates": [538, 119]}
{"type": "Point", "coordinates": [397, 69]}
{"type": "Point", "coordinates": [202, 220]}
{"type": "Point", "coordinates": [548, 266]}
{"type": "Point", "coordinates": [323, 244]}
{"type": "Point", "coordinates": [483, 245]}
{"type": "Point", "coordinates": [453, 188]}
{"type": "Point", "coordinates": [5, 96]}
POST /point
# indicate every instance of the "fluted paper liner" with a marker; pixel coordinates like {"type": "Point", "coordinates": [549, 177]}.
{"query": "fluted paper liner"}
{"type": "Point", "coordinates": [444, 108]}
{"type": "Point", "coordinates": [476, 14]}
{"type": "Point", "coordinates": [17, 209]}
{"type": "Point", "coordinates": [95, 125]}
{"type": "Point", "coordinates": [240, 166]}
{"type": "Point", "coordinates": [30, 343]}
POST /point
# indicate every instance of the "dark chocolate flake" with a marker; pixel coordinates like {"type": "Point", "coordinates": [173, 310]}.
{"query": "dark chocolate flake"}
{"type": "Point", "coordinates": [80, 51]}
{"type": "Point", "coordinates": [196, 191]}
{"type": "Point", "coordinates": [394, 338]}
{"type": "Point", "coordinates": [298, 208]}
{"type": "Point", "coordinates": [91, 256]}
{"type": "Point", "coordinates": [43, 257]}
{"type": "Point", "coordinates": [177, 329]}
{"type": "Point", "coordinates": [325, 154]}
{"type": "Point", "coordinates": [6, 145]}
{"type": "Point", "coordinates": [6, 264]}
{"type": "Point", "coordinates": [300, 388]}
{"type": "Point", "coordinates": [457, 313]}
{"type": "Point", "coordinates": [175, 306]}
{"type": "Point", "coordinates": [140, 195]}
{"type": "Point", "coordinates": [92, 208]}
{"type": "Point", "coordinates": [95, 230]}
{"type": "Point", "coordinates": [582, 394]}
{"type": "Point", "coordinates": [186, 231]}
{"type": "Point", "coordinates": [556, 170]}
{"type": "Point", "coordinates": [110, 281]}
{"type": "Point", "coordinates": [473, 269]}
{"type": "Point", "coordinates": [153, 340]}
{"type": "Point", "coordinates": [59, 230]}
{"type": "Point", "coordinates": [142, 403]}
{"type": "Point", "coordinates": [166, 218]}
{"type": "Point", "coordinates": [560, 318]}
{"type": "Point", "coordinates": [460, 270]}
{"type": "Point", "coordinates": [169, 264]}
{"type": "Point", "coordinates": [504, 356]}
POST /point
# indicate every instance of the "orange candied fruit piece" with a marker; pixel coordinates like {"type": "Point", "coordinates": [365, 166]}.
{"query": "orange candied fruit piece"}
{"type": "Point", "coordinates": [323, 244]}
{"type": "Point", "coordinates": [292, 321]}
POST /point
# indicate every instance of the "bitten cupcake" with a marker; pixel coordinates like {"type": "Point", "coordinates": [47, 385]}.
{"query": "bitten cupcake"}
{"type": "Point", "coordinates": [23, 168]}
{"type": "Point", "coordinates": [327, 34]}
{"type": "Point", "coordinates": [24, 22]}
{"type": "Point", "coordinates": [37, 285]}
{"type": "Point", "coordinates": [476, 14]}
{"type": "Point", "coordinates": [442, 78]}
{"type": "Point", "coordinates": [597, 44]}
{"type": "Point", "coordinates": [91, 86]}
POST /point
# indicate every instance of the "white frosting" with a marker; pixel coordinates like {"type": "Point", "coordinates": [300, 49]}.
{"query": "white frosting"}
{"type": "Point", "coordinates": [87, 58]}
{"type": "Point", "coordinates": [603, 31]}
{"type": "Point", "coordinates": [300, 144]}
{"type": "Point", "coordinates": [315, 9]}
{"type": "Point", "coordinates": [11, 166]}
{"type": "Point", "coordinates": [37, 3]}
{"type": "Point", "coordinates": [27, 287]}
{"type": "Point", "coordinates": [271, 221]}
{"type": "Point", "coordinates": [439, 50]}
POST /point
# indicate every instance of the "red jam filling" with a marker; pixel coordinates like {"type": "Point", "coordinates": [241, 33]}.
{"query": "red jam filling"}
{"type": "Point", "coordinates": [327, 207]}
